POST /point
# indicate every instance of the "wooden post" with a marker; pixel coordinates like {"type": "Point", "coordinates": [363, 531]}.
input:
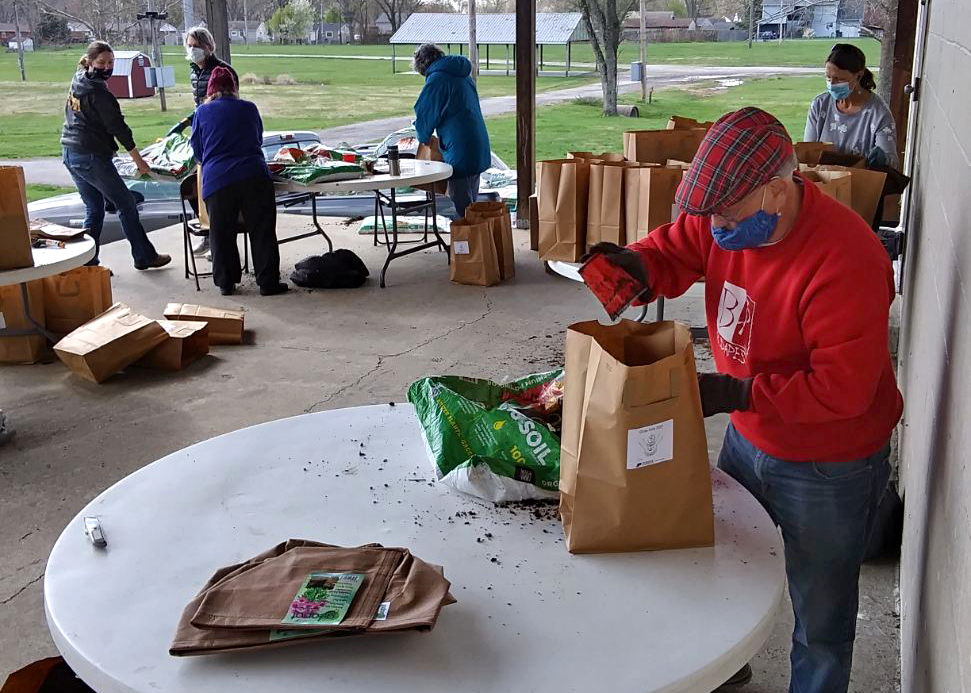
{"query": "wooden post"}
{"type": "Point", "coordinates": [394, 62]}
{"type": "Point", "coordinates": [541, 58]}
{"type": "Point", "coordinates": [568, 46]}
{"type": "Point", "coordinates": [487, 56]}
{"type": "Point", "coordinates": [218, 22]}
{"type": "Point", "coordinates": [507, 60]}
{"type": "Point", "coordinates": [903, 68]}
{"type": "Point", "coordinates": [643, 38]}
{"type": "Point", "coordinates": [525, 108]}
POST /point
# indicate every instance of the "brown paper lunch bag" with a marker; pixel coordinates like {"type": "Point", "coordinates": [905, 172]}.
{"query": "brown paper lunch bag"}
{"type": "Point", "coordinates": [185, 342]}
{"type": "Point", "coordinates": [74, 297]}
{"type": "Point", "coordinates": [15, 251]}
{"type": "Point", "coordinates": [634, 471]}
{"type": "Point", "coordinates": [563, 196]}
{"type": "Point", "coordinates": [225, 326]}
{"type": "Point", "coordinates": [475, 259]}
{"type": "Point", "coordinates": [657, 146]}
{"type": "Point", "coordinates": [606, 215]}
{"type": "Point", "coordinates": [497, 214]}
{"type": "Point", "coordinates": [866, 188]}
{"type": "Point", "coordinates": [682, 123]}
{"type": "Point", "coordinates": [649, 198]}
{"type": "Point", "coordinates": [22, 348]}
{"type": "Point", "coordinates": [415, 595]}
{"type": "Point", "coordinates": [112, 341]}
{"type": "Point", "coordinates": [835, 184]}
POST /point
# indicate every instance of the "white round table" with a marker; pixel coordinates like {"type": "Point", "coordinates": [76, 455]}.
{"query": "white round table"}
{"type": "Point", "coordinates": [413, 173]}
{"type": "Point", "coordinates": [47, 263]}
{"type": "Point", "coordinates": [536, 619]}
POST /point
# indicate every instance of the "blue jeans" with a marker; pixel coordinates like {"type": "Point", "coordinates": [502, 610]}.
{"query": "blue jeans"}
{"type": "Point", "coordinates": [96, 179]}
{"type": "Point", "coordinates": [826, 512]}
{"type": "Point", "coordinates": [463, 191]}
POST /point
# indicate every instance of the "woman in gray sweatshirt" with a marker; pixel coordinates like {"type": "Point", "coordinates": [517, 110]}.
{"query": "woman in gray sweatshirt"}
{"type": "Point", "coordinates": [849, 114]}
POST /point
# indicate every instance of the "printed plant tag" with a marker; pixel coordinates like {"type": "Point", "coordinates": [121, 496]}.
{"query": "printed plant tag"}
{"type": "Point", "coordinates": [383, 610]}
{"type": "Point", "coordinates": [650, 445]}
{"type": "Point", "coordinates": [462, 248]}
{"type": "Point", "coordinates": [324, 599]}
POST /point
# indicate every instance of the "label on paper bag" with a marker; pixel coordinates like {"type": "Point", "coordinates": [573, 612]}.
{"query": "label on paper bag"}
{"type": "Point", "coordinates": [650, 445]}
{"type": "Point", "coordinates": [462, 248]}
{"type": "Point", "coordinates": [324, 599]}
{"type": "Point", "coordinates": [383, 610]}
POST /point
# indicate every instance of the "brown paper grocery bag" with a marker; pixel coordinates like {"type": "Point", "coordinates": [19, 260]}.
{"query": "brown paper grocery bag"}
{"type": "Point", "coordinates": [203, 212]}
{"type": "Point", "coordinates": [186, 341]}
{"type": "Point", "coordinates": [681, 123]}
{"type": "Point", "coordinates": [649, 196]}
{"type": "Point", "coordinates": [866, 188]}
{"type": "Point", "coordinates": [74, 297]}
{"type": "Point", "coordinates": [23, 348]}
{"type": "Point", "coordinates": [533, 222]}
{"type": "Point", "coordinates": [606, 217]}
{"type": "Point", "coordinates": [225, 326]}
{"type": "Point", "coordinates": [475, 259]}
{"type": "Point", "coordinates": [634, 471]}
{"type": "Point", "coordinates": [112, 341]}
{"type": "Point", "coordinates": [603, 156]}
{"type": "Point", "coordinates": [563, 194]}
{"type": "Point", "coordinates": [657, 146]}
{"type": "Point", "coordinates": [432, 152]}
{"type": "Point", "coordinates": [14, 226]}
{"type": "Point", "coordinates": [835, 184]}
{"type": "Point", "coordinates": [497, 213]}
{"type": "Point", "coordinates": [808, 152]}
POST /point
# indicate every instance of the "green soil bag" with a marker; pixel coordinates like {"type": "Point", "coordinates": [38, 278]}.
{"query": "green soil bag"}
{"type": "Point", "coordinates": [497, 442]}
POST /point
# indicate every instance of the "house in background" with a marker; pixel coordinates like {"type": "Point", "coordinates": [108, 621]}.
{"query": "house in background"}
{"type": "Point", "coordinates": [329, 32]}
{"type": "Point", "coordinates": [244, 32]}
{"type": "Point", "coordinates": [263, 33]}
{"type": "Point", "coordinates": [662, 27]}
{"type": "Point", "coordinates": [810, 18]}
{"type": "Point", "coordinates": [169, 34]}
{"type": "Point", "coordinates": [382, 25]}
{"type": "Point", "coordinates": [8, 32]}
{"type": "Point", "coordinates": [79, 33]}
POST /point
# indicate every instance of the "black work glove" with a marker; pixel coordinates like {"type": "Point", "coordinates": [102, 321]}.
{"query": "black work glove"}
{"type": "Point", "coordinates": [625, 258]}
{"type": "Point", "coordinates": [180, 126]}
{"type": "Point", "coordinates": [723, 394]}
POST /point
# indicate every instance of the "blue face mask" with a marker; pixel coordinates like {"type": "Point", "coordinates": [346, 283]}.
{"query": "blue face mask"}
{"type": "Point", "coordinates": [838, 91]}
{"type": "Point", "coordinates": [751, 232]}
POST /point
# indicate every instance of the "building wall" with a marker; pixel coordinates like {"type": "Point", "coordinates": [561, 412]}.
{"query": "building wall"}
{"type": "Point", "coordinates": [936, 372]}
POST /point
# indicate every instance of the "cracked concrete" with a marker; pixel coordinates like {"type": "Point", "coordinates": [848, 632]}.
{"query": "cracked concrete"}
{"type": "Point", "coordinates": [305, 351]}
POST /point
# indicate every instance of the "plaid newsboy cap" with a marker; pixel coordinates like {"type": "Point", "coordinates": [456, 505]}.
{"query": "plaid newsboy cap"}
{"type": "Point", "coordinates": [742, 151]}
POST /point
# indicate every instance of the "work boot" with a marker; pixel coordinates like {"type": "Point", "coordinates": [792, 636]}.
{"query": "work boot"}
{"type": "Point", "coordinates": [6, 432]}
{"type": "Point", "coordinates": [274, 289]}
{"type": "Point", "coordinates": [161, 260]}
{"type": "Point", "coordinates": [202, 248]}
{"type": "Point", "coordinates": [739, 679]}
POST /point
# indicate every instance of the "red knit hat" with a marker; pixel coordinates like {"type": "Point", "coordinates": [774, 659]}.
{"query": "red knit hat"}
{"type": "Point", "coordinates": [742, 151]}
{"type": "Point", "coordinates": [221, 80]}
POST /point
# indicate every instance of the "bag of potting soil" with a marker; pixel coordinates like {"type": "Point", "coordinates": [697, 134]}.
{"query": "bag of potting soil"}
{"type": "Point", "coordinates": [171, 157]}
{"type": "Point", "coordinates": [497, 442]}
{"type": "Point", "coordinates": [321, 171]}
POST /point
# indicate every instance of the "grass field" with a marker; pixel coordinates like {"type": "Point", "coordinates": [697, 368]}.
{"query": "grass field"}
{"type": "Point", "coordinates": [324, 92]}
{"type": "Point", "coordinates": [38, 191]}
{"type": "Point", "coordinates": [579, 126]}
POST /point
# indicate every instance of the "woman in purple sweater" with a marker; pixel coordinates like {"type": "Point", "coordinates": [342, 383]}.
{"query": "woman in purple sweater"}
{"type": "Point", "coordinates": [227, 135]}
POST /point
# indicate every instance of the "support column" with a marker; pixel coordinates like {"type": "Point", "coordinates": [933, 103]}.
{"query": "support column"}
{"type": "Point", "coordinates": [569, 45]}
{"type": "Point", "coordinates": [525, 108]}
{"type": "Point", "coordinates": [394, 61]}
{"type": "Point", "coordinates": [217, 21]}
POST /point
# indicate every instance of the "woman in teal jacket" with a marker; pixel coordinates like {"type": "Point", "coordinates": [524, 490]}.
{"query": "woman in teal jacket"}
{"type": "Point", "coordinates": [449, 104]}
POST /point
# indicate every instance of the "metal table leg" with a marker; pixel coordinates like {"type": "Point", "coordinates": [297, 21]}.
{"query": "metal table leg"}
{"type": "Point", "coordinates": [392, 242]}
{"type": "Point", "coordinates": [35, 327]}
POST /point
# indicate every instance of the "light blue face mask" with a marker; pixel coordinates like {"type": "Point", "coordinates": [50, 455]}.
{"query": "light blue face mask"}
{"type": "Point", "coordinates": [839, 91]}
{"type": "Point", "coordinates": [751, 232]}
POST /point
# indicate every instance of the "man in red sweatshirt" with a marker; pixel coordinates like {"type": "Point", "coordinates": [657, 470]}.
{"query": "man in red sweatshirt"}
{"type": "Point", "coordinates": [798, 292]}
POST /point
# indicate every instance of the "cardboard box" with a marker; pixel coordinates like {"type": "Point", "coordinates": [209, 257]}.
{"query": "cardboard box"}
{"type": "Point", "coordinates": [112, 341]}
{"type": "Point", "coordinates": [25, 348]}
{"type": "Point", "coordinates": [15, 250]}
{"type": "Point", "coordinates": [186, 341]}
{"type": "Point", "coordinates": [225, 326]}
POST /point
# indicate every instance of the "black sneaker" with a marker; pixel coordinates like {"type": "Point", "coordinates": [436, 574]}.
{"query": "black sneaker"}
{"type": "Point", "coordinates": [161, 260]}
{"type": "Point", "coordinates": [227, 290]}
{"type": "Point", "coordinates": [273, 290]}
{"type": "Point", "coordinates": [739, 679]}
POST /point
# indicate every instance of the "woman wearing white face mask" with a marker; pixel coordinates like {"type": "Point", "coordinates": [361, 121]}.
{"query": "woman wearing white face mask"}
{"type": "Point", "coordinates": [200, 51]}
{"type": "Point", "coordinates": [849, 114]}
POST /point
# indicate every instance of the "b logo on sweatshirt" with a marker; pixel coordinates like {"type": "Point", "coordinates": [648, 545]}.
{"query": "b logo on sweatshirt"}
{"type": "Point", "coordinates": [736, 314]}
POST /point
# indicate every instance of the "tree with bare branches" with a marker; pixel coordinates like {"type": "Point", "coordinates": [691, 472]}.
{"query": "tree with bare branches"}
{"type": "Point", "coordinates": [604, 21]}
{"type": "Point", "coordinates": [398, 11]}
{"type": "Point", "coordinates": [880, 21]}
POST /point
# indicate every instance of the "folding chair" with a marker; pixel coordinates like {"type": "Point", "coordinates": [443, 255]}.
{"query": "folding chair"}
{"type": "Point", "coordinates": [192, 225]}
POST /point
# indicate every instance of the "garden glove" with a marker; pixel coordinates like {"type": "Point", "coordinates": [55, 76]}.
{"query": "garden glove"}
{"type": "Point", "coordinates": [628, 260]}
{"type": "Point", "coordinates": [723, 394]}
{"type": "Point", "coordinates": [877, 157]}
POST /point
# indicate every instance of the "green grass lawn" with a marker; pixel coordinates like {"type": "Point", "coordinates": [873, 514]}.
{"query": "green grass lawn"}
{"type": "Point", "coordinates": [38, 191]}
{"type": "Point", "coordinates": [576, 126]}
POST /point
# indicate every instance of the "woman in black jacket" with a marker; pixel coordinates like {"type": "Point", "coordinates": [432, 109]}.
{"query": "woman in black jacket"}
{"type": "Point", "coordinates": [93, 122]}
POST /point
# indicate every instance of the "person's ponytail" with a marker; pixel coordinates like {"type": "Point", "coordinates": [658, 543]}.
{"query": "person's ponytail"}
{"type": "Point", "coordinates": [867, 81]}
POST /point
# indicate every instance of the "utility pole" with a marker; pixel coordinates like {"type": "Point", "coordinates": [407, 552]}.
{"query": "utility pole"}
{"type": "Point", "coordinates": [751, 21]}
{"type": "Point", "coordinates": [20, 41]}
{"type": "Point", "coordinates": [152, 16]}
{"type": "Point", "coordinates": [643, 14]}
{"type": "Point", "coordinates": [218, 21]}
{"type": "Point", "coordinates": [245, 24]}
{"type": "Point", "coordinates": [473, 46]}
{"type": "Point", "coordinates": [320, 29]}
{"type": "Point", "coordinates": [188, 21]}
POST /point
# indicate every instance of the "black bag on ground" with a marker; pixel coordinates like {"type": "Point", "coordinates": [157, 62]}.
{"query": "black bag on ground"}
{"type": "Point", "coordinates": [340, 269]}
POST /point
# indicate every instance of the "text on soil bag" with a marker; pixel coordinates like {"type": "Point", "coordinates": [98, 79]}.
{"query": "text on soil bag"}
{"type": "Point", "coordinates": [534, 439]}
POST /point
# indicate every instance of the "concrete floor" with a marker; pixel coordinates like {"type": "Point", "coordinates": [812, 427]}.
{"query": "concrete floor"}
{"type": "Point", "coordinates": [307, 351]}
